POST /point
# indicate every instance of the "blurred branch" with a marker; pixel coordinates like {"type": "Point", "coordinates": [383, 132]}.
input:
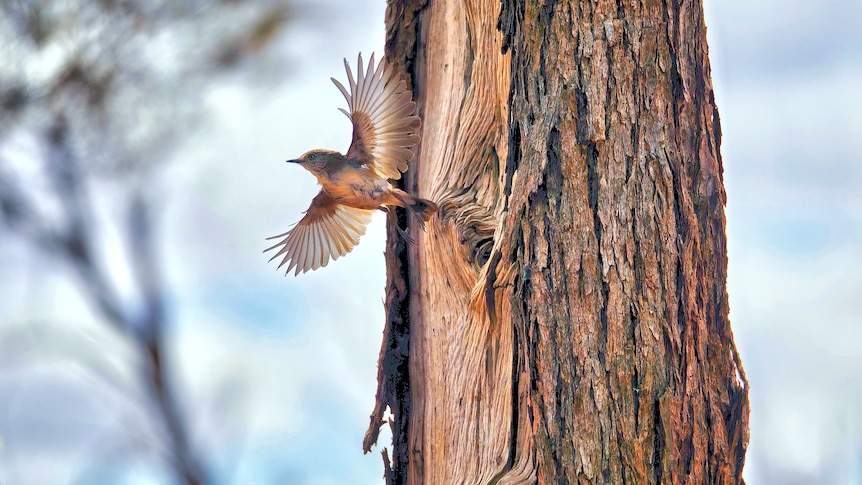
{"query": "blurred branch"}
{"type": "Point", "coordinates": [255, 39]}
{"type": "Point", "coordinates": [146, 267]}
{"type": "Point", "coordinates": [74, 244]}
{"type": "Point", "coordinates": [109, 88]}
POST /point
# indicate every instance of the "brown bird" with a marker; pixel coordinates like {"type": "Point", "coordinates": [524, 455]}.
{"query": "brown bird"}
{"type": "Point", "coordinates": [356, 183]}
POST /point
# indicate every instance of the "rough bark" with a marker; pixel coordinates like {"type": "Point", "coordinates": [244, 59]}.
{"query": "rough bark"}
{"type": "Point", "coordinates": [565, 319]}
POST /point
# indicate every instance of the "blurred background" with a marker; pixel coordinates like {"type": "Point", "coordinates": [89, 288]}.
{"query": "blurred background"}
{"type": "Point", "coordinates": [143, 336]}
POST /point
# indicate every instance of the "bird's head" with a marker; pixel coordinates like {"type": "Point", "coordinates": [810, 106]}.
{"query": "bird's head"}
{"type": "Point", "coordinates": [317, 161]}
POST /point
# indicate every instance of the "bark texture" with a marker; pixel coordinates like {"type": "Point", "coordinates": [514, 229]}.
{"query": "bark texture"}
{"type": "Point", "coordinates": [565, 319]}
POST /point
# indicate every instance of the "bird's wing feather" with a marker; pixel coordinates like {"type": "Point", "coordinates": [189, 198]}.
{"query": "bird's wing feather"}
{"type": "Point", "coordinates": [381, 109]}
{"type": "Point", "coordinates": [328, 229]}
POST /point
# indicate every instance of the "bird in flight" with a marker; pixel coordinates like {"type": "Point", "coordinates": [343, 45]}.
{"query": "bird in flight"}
{"type": "Point", "coordinates": [356, 184]}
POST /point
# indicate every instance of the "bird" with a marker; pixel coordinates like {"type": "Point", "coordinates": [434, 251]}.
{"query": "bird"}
{"type": "Point", "coordinates": [358, 182]}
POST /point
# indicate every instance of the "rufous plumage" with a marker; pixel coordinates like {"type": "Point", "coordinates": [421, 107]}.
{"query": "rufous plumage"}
{"type": "Point", "coordinates": [354, 184]}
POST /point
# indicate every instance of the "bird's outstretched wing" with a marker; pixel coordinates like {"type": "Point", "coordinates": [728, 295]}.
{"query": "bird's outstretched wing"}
{"type": "Point", "coordinates": [328, 229]}
{"type": "Point", "coordinates": [381, 109]}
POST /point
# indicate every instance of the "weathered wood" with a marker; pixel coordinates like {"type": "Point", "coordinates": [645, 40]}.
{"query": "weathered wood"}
{"type": "Point", "coordinates": [566, 316]}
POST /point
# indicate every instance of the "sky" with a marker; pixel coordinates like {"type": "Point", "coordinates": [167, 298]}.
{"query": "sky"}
{"type": "Point", "coordinates": [786, 76]}
{"type": "Point", "coordinates": [280, 372]}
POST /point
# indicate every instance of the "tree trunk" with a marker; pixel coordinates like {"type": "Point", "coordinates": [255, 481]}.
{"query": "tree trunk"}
{"type": "Point", "coordinates": [565, 318]}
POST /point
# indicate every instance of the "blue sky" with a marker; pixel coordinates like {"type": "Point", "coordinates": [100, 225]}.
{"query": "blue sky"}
{"type": "Point", "coordinates": [280, 372]}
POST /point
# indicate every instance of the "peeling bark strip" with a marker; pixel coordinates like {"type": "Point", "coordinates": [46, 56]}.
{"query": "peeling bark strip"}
{"type": "Point", "coordinates": [566, 317]}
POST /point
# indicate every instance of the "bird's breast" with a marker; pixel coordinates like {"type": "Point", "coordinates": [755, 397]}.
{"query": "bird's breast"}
{"type": "Point", "coordinates": [358, 190]}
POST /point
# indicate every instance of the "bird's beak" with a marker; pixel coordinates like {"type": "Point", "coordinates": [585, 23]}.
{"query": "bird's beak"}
{"type": "Point", "coordinates": [294, 161]}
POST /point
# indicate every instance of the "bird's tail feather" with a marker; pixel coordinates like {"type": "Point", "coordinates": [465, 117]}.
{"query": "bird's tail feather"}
{"type": "Point", "coordinates": [423, 209]}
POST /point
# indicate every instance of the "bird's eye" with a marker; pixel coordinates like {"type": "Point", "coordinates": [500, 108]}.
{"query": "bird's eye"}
{"type": "Point", "coordinates": [312, 156]}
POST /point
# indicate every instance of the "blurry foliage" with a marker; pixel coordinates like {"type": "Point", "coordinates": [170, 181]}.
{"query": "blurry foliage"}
{"type": "Point", "coordinates": [102, 92]}
{"type": "Point", "coordinates": [128, 75]}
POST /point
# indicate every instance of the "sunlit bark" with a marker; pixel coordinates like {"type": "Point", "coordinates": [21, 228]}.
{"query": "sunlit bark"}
{"type": "Point", "coordinates": [565, 319]}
